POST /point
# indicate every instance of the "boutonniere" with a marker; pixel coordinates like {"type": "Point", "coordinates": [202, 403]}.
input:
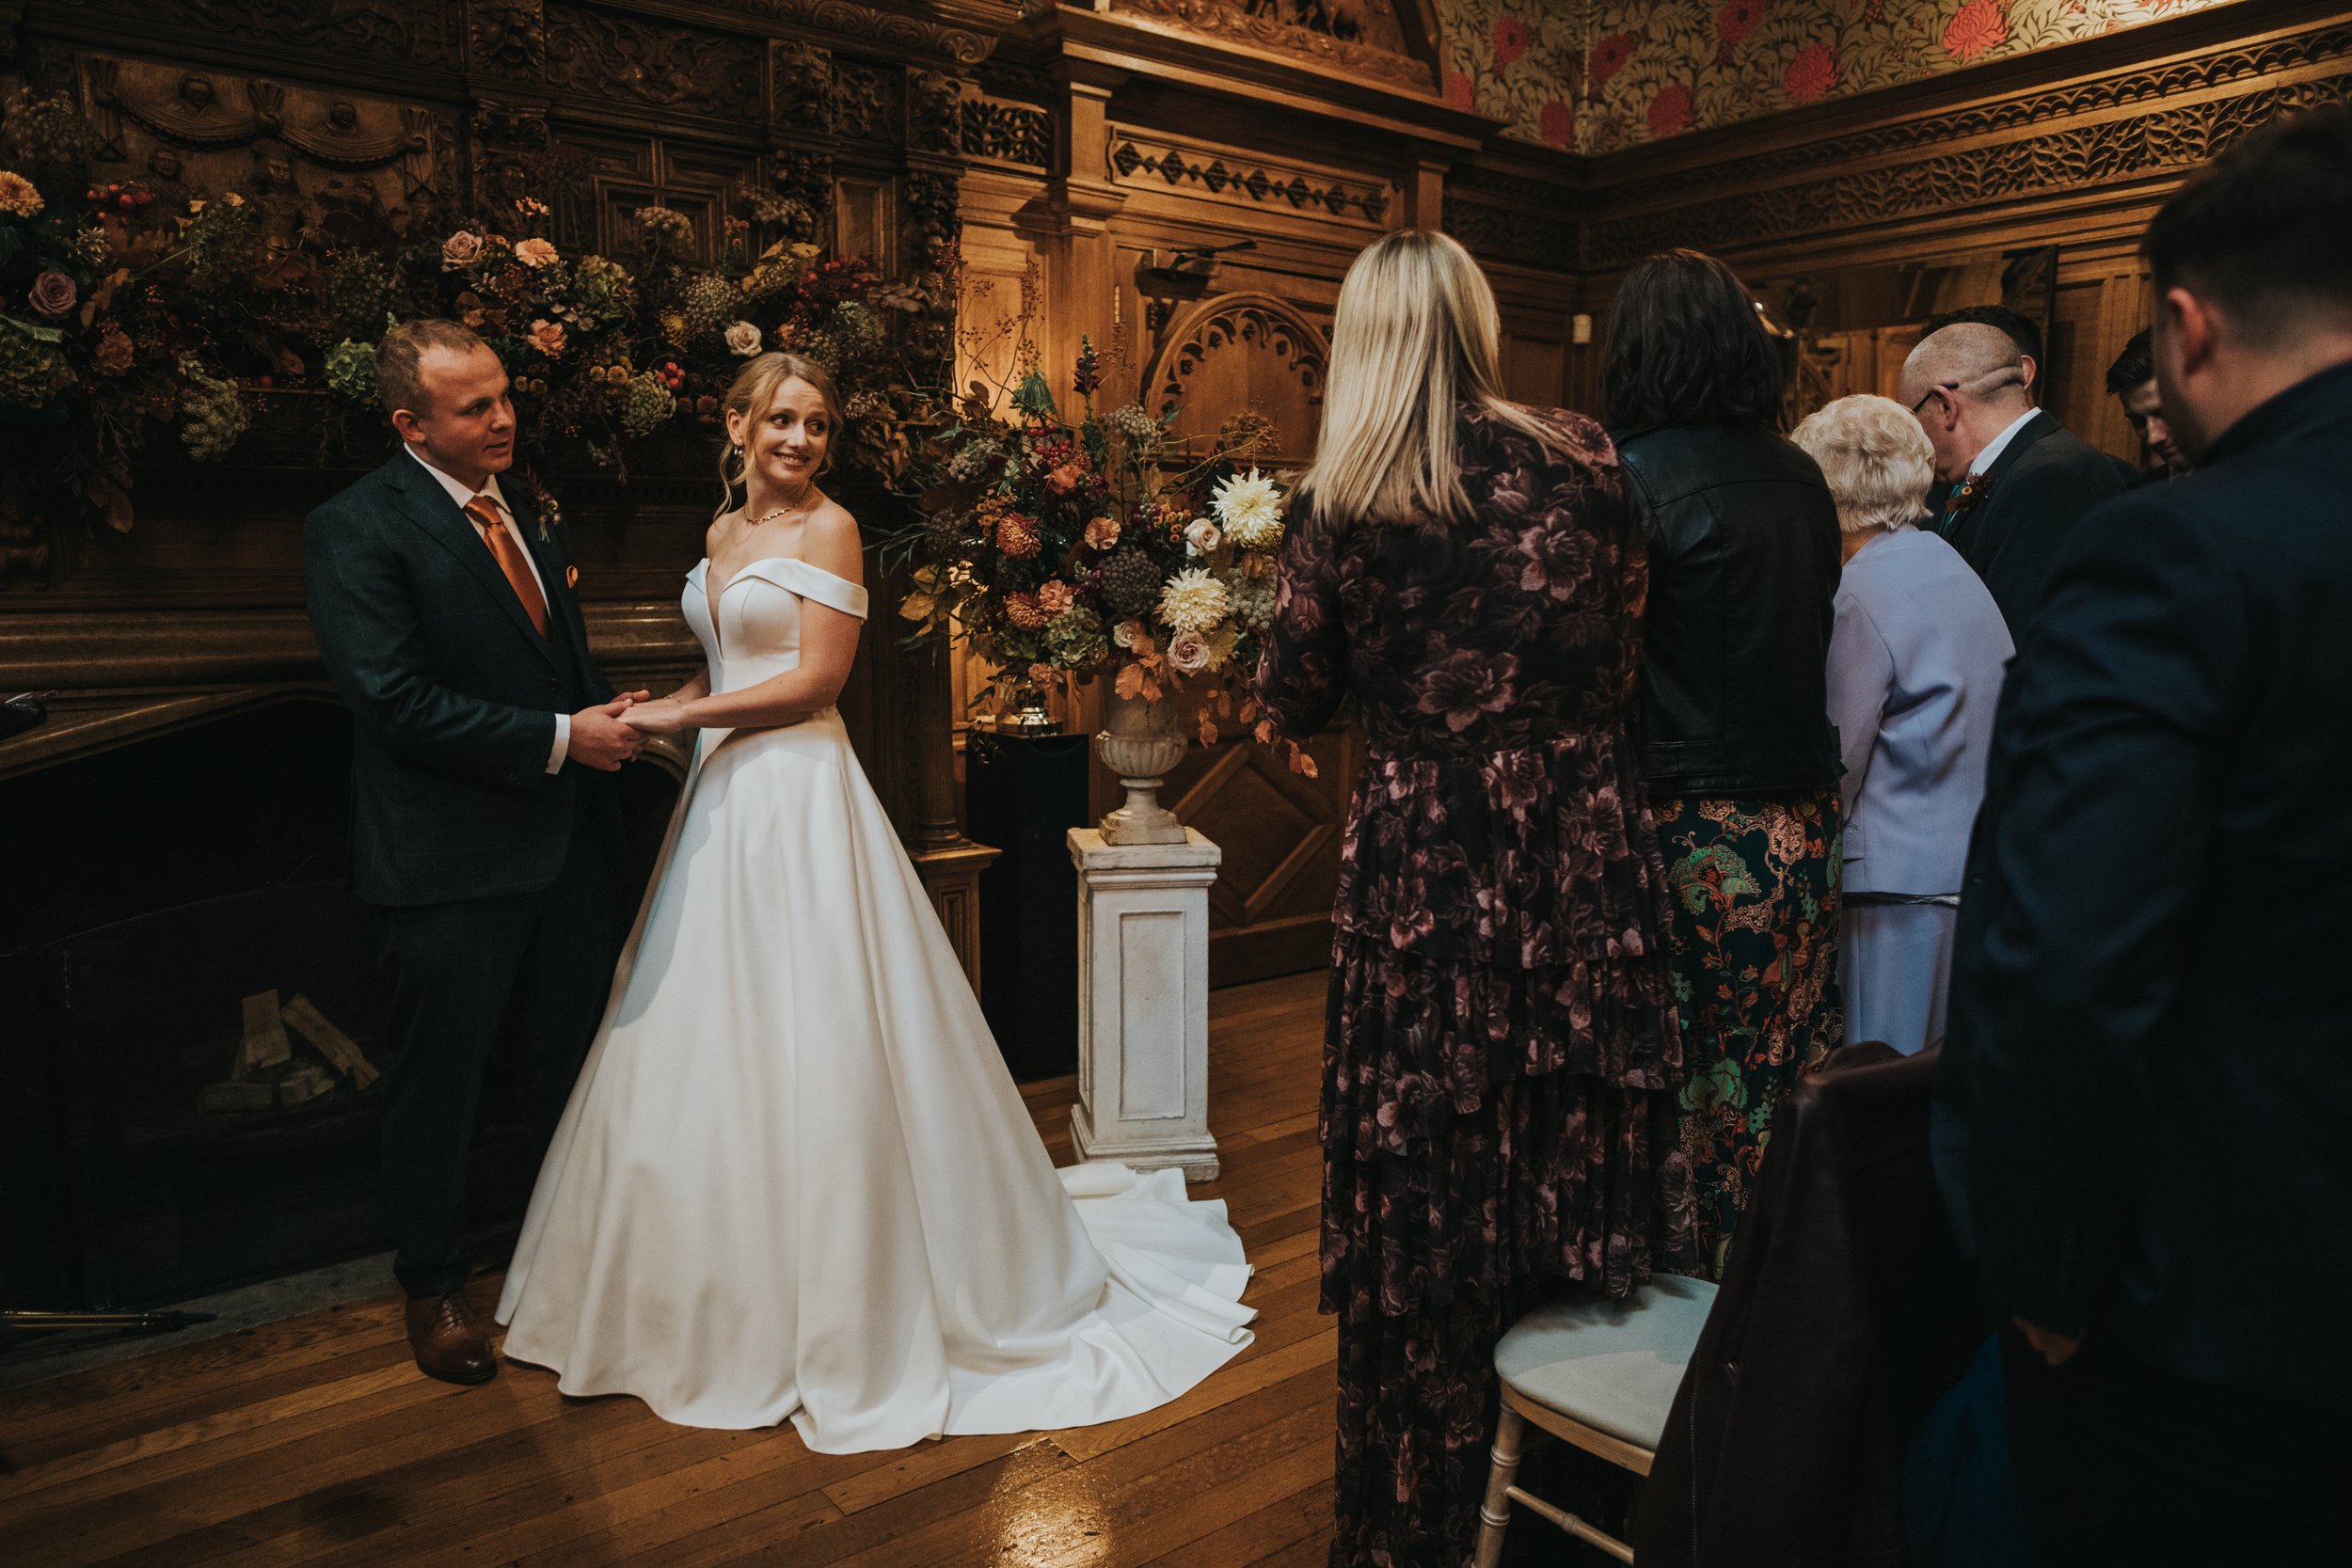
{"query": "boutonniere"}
{"type": "Point", "coordinates": [543, 503]}
{"type": "Point", "coordinates": [1971, 492]}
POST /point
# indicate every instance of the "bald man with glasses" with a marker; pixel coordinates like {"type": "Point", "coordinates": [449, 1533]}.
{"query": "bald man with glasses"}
{"type": "Point", "coordinates": [2018, 480]}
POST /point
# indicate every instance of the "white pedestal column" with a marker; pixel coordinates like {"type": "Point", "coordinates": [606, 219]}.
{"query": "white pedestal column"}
{"type": "Point", "coordinates": [1143, 1003]}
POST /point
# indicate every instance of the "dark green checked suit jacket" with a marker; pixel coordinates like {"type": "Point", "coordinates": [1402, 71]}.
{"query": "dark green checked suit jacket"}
{"type": "Point", "coordinates": [452, 691]}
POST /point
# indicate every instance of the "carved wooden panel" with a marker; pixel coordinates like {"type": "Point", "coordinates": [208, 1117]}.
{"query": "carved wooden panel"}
{"type": "Point", "coordinates": [624, 174]}
{"type": "Point", "coordinates": [286, 145]}
{"type": "Point", "coordinates": [1244, 353]}
{"type": "Point", "coordinates": [1270, 907]}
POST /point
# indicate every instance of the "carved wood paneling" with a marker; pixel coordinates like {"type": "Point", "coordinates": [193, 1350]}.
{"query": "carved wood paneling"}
{"type": "Point", "coordinates": [1239, 178]}
{"type": "Point", "coordinates": [2171, 140]}
{"type": "Point", "coordinates": [654, 65]}
{"type": "Point", "coordinates": [284, 145]}
{"type": "Point", "coordinates": [1244, 353]}
{"type": "Point", "coordinates": [1343, 38]}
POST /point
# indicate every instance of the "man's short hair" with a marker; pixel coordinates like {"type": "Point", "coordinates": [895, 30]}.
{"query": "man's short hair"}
{"type": "Point", "coordinates": [2019, 327]}
{"type": "Point", "coordinates": [400, 352]}
{"type": "Point", "coordinates": [2260, 231]}
{"type": "Point", "coordinates": [2135, 367]}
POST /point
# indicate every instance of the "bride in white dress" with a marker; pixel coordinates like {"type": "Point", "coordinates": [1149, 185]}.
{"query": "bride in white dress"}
{"type": "Point", "coordinates": [795, 1179]}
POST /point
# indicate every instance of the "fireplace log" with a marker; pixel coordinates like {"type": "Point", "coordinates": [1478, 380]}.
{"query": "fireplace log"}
{"type": "Point", "coordinates": [233, 1099]}
{"type": "Point", "coordinates": [264, 1044]}
{"type": "Point", "coordinates": [330, 1042]}
{"type": "Point", "coordinates": [306, 1083]}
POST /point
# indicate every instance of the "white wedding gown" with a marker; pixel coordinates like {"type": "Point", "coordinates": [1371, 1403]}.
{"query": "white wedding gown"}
{"type": "Point", "coordinates": [795, 1179]}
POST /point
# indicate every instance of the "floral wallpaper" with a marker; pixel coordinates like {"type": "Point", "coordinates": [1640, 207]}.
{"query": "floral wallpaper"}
{"type": "Point", "coordinates": [1595, 76]}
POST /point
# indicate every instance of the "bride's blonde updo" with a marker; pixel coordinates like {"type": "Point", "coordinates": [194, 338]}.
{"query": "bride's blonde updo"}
{"type": "Point", "coordinates": [750, 393]}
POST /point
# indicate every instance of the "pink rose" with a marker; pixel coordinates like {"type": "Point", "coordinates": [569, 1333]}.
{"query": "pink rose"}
{"type": "Point", "coordinates": [532, 252]}
{"type": "Point", "coordinates": [54, 293]}
{"type": "Point", "coordinates": [460, 250]}
{"type": "Point", "coordinates": [1189, 653]}
{"type": "Point", "coordinates": [1064, 479]}
{"type": "Point", "coordinates": [547, 337]}
{"type": "Point", "coordinates": [1055, 596]}
{"type": "Point", "coordinates": [1201, 535]}
{"type": "Point", "coordinates": [742, 340]}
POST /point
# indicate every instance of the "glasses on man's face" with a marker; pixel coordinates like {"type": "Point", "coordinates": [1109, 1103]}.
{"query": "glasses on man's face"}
{"type": "Point", "coordinates": [1947, 386]}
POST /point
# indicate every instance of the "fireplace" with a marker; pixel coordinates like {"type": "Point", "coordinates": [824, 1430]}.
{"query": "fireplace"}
{"type": "Point", "coordinates": [190, 1071]}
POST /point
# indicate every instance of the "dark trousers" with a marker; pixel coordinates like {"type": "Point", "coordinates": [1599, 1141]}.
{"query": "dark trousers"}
{"type": "Point", "coordinates": [529, 971]}
{"type": "Point", "coordinates": [2119, 1461]}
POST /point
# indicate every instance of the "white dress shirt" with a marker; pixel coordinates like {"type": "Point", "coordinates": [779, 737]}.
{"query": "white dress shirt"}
{"type": "Point", "coordinates": [458, 493]}
{"type": "Point", "coordinates": [1994, 448]}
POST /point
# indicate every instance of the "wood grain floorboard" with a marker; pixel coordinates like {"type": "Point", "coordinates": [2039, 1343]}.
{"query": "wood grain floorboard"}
{"type": "Point", "coordinates": [314, 1444]}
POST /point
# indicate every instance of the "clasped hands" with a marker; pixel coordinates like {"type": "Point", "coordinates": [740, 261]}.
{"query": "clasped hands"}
{"type": "Point", "coordinates": [602, 738]}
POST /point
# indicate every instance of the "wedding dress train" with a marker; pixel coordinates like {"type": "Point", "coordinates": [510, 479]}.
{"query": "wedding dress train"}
{"type": "Point", "coordinates": [795, 1179]}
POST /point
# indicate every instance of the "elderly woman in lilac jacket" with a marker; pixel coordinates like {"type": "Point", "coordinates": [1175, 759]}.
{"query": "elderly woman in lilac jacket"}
{"type": "Point", "coordinates": [1914, 673]}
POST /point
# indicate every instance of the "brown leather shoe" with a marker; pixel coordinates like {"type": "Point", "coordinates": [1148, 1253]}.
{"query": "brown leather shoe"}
{"type": "Point", "coordinates": [449, 1341]}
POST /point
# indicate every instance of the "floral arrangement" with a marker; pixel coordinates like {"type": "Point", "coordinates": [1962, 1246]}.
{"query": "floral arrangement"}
{"type": "Point", "coordinates": [128, 313]}
{"type": "Point", "coordinates": [1061, 549]}
{"type": "Point", "coordinates": [607, 354]}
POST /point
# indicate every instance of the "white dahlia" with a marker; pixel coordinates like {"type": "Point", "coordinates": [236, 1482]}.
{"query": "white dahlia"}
{"type": "Point", "coordinates": [1193, 600]}
{"type": "Point", "coordinates": [1250, 507]}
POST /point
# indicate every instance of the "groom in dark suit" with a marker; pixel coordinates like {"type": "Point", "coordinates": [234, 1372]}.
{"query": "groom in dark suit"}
{"type": "Point", "coordinates": [485, 827]}
{"type": "Point", "coordinates": [2021, 481]}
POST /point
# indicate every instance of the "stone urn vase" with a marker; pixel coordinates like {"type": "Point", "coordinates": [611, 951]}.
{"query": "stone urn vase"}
{"type": "Point", "coordinates": [1140, 743]}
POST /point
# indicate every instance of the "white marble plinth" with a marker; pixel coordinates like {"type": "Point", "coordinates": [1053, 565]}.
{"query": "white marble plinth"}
{"type": "Point", "coordinates": [1143, 1003]}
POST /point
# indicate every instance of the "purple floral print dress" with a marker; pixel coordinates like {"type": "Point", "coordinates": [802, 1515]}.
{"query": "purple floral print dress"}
{"type": "Point", "coordinates": [1501, 1061]}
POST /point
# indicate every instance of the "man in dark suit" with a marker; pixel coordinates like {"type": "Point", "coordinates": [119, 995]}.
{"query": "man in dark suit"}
{"type": "Point", "coordinates": [485, 826]}
{"type": "Point", "coordinates": [2132, 382]}
{"type": "Point", "coordinates": [2022, 481]}
{"type": "Point", "coordinates": [2145, 1103]}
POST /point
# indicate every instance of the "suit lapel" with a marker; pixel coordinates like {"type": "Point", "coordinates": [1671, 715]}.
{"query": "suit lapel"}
{"type": "Point", "coordinates": [429, 507]}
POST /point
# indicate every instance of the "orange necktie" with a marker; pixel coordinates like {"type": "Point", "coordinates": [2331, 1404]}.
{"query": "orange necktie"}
{"type": "Point", "coordinates": [510, 558]}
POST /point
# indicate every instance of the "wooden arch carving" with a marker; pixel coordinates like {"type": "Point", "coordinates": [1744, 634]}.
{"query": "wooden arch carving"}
{"type": "Point", "coordinates": [1243, 353]}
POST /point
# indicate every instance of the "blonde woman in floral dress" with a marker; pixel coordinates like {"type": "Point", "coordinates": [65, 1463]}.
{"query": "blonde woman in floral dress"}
{"type": "Point", "coordinates": [1500, 1059]}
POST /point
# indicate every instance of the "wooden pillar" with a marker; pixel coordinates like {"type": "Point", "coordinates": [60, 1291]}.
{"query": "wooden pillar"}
{"type": "Point", "coordinates": [1072, 219]}
{"type": "Point", "coordinates": [1421, 183]}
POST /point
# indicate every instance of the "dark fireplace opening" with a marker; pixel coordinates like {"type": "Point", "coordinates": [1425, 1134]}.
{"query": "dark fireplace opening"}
{"type": "Point", "coordinates": [193, 1044]}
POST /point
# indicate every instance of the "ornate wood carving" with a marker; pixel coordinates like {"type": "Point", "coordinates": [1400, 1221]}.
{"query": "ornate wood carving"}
{"type": "Point", "coordinates": [185, 131]}
{"type": "Point", "coordinates": [868, 101]}
{"type": "Point", "coordinates": [1004, 132]}
{"type": "Point", "coordinates": [801, 97]}
{"type": "Point", "coordinates": [1135, 158]}
{"type": "Point", "coordinates": [1508, 233]}
{"type": "Point", "coordinates": [415, 32]}
{"type": "Point", "coordinates": [509, 37]}
{"type": "Point", "coordinates": [2166, 139]}
{"type": "Point", "coordinates": [654, 65]}
{"type": "Point", "coordinates": [844, 19]}
{"type": "Point", "coordinates": [1261, 356]}
{"type": "Point", "coordinates": [1341, 40]}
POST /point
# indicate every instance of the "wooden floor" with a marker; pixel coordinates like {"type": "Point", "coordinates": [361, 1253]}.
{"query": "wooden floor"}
{"type": "Point", "coordinates": [315, 1441]}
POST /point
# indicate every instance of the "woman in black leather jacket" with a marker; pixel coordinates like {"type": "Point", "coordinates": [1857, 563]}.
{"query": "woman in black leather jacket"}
{"type": "Point", "coordinates": [1738, 755]}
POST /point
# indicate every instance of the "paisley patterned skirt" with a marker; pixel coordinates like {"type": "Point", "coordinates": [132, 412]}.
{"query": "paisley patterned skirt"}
{"type": "Point", "coordinates": [1752, 942]}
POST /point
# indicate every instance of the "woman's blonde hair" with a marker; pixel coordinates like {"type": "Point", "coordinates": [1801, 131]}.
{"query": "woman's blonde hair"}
{"type": "Point", "coordinates": [750, 393]}
{"type": "Point", "coordinates": [1415, 341]}
{"type": "Point", "coordinates": [1876, 458]}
